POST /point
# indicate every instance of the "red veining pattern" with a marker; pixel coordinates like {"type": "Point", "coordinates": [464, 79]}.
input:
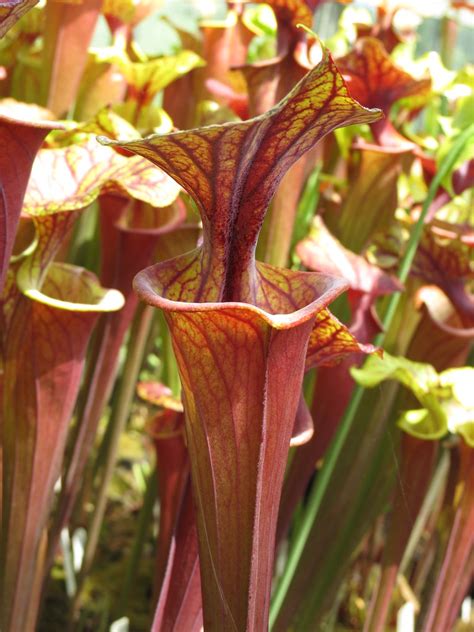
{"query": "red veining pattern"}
{"type": "Point", "coordinates": [232, 172]}
{"type": "Point", "coordinates": [374, 80]}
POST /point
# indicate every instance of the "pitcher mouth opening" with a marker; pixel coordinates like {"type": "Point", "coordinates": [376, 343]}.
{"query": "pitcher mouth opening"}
{"type": "Point", "coordinates": [94, 298]}
{"type": "Point", "coordinates": [320, 291]}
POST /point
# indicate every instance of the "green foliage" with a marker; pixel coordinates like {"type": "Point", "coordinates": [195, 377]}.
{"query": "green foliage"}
{"type": "Point", "coordinates": [446, 397]}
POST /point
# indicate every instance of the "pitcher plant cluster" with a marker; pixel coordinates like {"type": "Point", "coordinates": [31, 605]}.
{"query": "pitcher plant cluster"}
{"type": "Point", "coordinates": [237, 316]}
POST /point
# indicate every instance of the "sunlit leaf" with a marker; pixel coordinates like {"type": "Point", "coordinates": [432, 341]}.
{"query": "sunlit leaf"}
{"type": "Point", "coordinates": [447, 402]}
{"type": "Point", "coordinates": [330, 341]}
{"type": "Point", "coordinates": [106, 121]}
{"type": "Point", "coordinates": [159, 395]}
{"type": "Point", "coordinates": [146, 78]}
{"type": "Point", "coordinates": [269, 80]}
{"type": "Point", "coordinates": [150, 119]}
{"type": "Point", "coordinates": [421, 378]}
{"type": "Point", "coordinates": [460, 410]}
{"type": "Point", "coordinates": [84, 171]}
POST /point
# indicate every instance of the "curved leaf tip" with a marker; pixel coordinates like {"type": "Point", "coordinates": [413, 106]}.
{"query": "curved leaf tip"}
{"type": "Point", "coordinates": [447, 397]}
{"type": "Point", "coordinates": [245, 161]}
{"type": "Point", "coordinates": [70, 288]}
{"type": "Point", "coordinates": [374, 79]}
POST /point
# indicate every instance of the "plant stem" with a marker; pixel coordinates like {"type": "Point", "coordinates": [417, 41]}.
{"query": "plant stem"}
{"type": "Point", "coordinates": [322, 484]}
{"type": "Point", "coordinates": [120, 412]}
